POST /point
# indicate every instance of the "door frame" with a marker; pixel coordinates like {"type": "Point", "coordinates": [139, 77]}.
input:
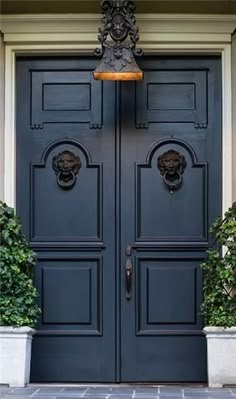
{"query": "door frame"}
{"type": "Point", "coordinates": [35, 35]}
{"type": "Point", "coordinates": [170, 34]}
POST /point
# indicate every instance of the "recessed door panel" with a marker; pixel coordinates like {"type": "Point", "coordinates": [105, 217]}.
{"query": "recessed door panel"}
{"type": "Point", "coordinates": [76, 300]}
{"type": "Point", "coordinates": [174, 283]}
{"type": "Point", "coordinates": [172, 96]}
{"type": "Point", "coordinates": [66, 96]}
{"type": "Point", "coordinates": [156, 217]}
{"type": "Point", "coordinates": [81, 218]}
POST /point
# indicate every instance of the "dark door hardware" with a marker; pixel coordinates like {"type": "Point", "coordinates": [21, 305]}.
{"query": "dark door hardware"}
{"type": "Point", "coordinates": [66, 166]}
{"type": "Point", "coordinates": [128, 272]}
{"type": "Point", "coordinates": [118, 57]}
{"type": "Point", "coordinates": [172, 165]}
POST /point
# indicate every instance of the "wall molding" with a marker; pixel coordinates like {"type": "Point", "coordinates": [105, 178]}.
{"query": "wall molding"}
{"type": "Point", "coordinates": [153, 28]}
{"type": "Point", "coordinates": [77, 34]}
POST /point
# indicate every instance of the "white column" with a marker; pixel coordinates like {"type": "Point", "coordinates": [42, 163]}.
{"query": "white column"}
{"type": "Point", "coordinates": [234, 111]}
{"type": "Point", "coordinates": [2, 100]}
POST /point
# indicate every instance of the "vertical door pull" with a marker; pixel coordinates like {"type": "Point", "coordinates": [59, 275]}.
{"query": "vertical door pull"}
{"type": "Point", "coordinates": [128, 272]}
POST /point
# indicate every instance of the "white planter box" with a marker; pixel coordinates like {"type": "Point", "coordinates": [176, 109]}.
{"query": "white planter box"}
{"type": "Point", "coordinates": [221, 356]}
{"type": "Point", "coordinates": [15, 354]}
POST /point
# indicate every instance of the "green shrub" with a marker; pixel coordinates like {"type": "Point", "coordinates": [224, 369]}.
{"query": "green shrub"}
{"type": "Point", "coordinates": [219, 273]}
{"type": "Point", "coordinates": [18, 305]}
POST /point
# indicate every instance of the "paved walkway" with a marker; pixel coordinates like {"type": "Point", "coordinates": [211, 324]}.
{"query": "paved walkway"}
{"type": "Point", "coordinates": [116, 392]}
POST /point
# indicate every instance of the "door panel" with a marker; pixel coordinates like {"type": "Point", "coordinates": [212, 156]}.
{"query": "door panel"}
{"type": "Point", "coordinates": [69, 207]}
{"type": "Point", "coordinates": [178, 222]}
{"type": "Point", "coordinates": [172, 96]}
{"type": "Point", "coordinates": [177, 108]}
{"type": "Point", "coordinates": [60, 96]}
{"type": "Point", "coordinates": [93, 178]}
{"type": "Point", "coordinates": [163, 301]}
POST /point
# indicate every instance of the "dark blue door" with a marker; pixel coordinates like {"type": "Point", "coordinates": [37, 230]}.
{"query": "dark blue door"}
{"type": "Point", "coordinates": [116, 186]}
{"type": "Point", "coordinates": [170, 192]}
{"type": "Point", "coordinates": [65, 196]}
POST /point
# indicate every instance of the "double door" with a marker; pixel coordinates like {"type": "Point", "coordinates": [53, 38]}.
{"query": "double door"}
{"type": "Point", "coordinates": [117, 184]}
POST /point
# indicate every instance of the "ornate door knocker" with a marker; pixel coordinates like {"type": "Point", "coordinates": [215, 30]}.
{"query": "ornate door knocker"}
{"type": "Point", "coordinates": [66, 166]}
{"type": "Point", "coordinates": [172, 165]}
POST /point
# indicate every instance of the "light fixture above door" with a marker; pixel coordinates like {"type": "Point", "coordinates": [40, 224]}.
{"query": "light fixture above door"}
{"type": "Point", "coordinates": [118, 37]}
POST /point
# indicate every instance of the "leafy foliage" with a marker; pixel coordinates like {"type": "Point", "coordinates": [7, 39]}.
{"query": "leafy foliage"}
{"type": "Point", "coordinates": [219, 271]}
{"type": "Point", "coordinates": [17, 294]}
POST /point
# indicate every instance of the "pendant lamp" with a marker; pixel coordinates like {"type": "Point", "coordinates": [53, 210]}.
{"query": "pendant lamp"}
{"type": "Point", "coordinates": [118, 37]}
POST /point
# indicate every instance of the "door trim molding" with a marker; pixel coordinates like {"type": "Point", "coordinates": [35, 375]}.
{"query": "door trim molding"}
{"type": "Point", "coordinates": [76, 34]}
{"type": "Point", "coordinates": [66, 28]}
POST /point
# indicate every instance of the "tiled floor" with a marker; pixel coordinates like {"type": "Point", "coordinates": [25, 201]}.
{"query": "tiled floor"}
{"type": "Point", "coordinates": [116, 392]}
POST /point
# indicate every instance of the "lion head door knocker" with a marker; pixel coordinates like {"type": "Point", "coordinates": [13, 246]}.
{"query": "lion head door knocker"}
{"type": "Point", "coordinates": [66, 166]}
{"type": "Point", "coordinates": [172, 165]}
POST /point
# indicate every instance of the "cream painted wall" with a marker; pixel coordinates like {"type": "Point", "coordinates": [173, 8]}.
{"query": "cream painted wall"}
{"type": "Point", "coordinates": [234, 112]}
{"type": "Point", "coordinates": [1, 113]}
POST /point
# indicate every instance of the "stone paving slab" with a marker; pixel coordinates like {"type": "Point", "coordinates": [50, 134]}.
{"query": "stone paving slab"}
{"type": "Point", "coordinates": [116, 392]}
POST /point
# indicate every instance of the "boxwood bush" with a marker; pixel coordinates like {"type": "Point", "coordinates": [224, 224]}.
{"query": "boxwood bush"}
{"type": "Point", "coordinates": [18, 296]}
{"type": "Point", "coordinates": [219, 273]}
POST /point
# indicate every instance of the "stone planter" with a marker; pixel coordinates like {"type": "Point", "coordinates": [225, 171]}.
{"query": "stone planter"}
{"type": "Point", "coordinates": [221, 356]}
{"type": "Point", "coordinates": [15, 353]}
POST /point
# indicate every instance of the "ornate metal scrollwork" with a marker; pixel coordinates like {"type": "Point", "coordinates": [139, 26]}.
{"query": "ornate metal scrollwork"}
{"type": "Point", "coordinates": [172, 165]}
{"type": "Point", "coordinates": [118, 21]}
{"type": "Point", "coordinates": [66, 166]}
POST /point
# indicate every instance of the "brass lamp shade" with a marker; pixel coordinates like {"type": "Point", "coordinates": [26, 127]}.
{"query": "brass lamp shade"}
{"type": "Point", "coordinates": [121, 68]}
{"type": "Point", "coordinates": [118, 75]}
{"type": "Point", "coordinates": [118, 37]}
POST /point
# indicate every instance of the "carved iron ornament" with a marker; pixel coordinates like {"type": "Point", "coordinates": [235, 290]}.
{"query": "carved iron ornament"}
{"type": "Point", "coordinates": [66, 166]}
{"type": "Point", "coordinates": [118, 24]}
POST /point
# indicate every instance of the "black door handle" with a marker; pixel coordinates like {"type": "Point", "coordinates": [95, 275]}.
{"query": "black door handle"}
{"type": "Point", "coordinates": [128, 272]}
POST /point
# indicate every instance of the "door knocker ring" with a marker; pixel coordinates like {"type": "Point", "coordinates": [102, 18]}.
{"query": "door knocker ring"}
{"type": "Point", "coordinates": [68, 183]}
{"type": "Point", "coordinates": [173, 182]}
